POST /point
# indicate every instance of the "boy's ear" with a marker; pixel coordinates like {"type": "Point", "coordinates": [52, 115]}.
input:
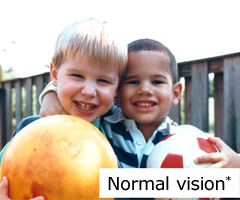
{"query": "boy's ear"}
{"type": "Point", "coordinates": [53, 74]}
{"type": "Point", "coordinates": [177, 91]}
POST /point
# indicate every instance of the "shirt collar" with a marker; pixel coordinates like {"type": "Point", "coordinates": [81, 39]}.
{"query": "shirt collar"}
{"type": "Point", "coordinates": [96, 123]}
{"type": "Point", "coordinates": [118, 116]}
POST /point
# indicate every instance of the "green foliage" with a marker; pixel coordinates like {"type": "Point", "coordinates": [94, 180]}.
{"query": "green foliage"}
{"type": "Point", "coordinates": [23, 105]}
{"type": "Point", "coordinates": [211, 87]}
{"type": "Point", "coordinates": [8, 74]}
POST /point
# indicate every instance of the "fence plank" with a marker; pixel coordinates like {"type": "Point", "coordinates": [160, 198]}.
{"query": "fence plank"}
{"type": "Point", "coordinates": [46, 78]}
{"type": "Point", "coordinates": [236, 64]}
{"type": "Point", "coordinates": [199, 108]}
{"type": "Point", "coordinates": [218, 107]}
{"type": "Point", "coordinates": [188, 100]}
{"type": "Point", "coordinates": [231, 116]}
{"type": "Point", "coordinates": [174, 114]}
{"type": "Point", "coordinates": [39, 84]}
{"type": "Point", "coordinates": [229, 124]}
{"type": "Point", "coordinates": [2, 117]}
{"type": "Point", "coordinates": [8, 113]}
{"type": "Point", "coordinates": [28, 88]}
{"type": "Point", "coordinates": [18, 108]}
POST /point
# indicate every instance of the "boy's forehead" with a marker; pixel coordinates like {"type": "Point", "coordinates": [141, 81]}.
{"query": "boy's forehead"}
{"type": "Point", "coordinates": [148, 64]}
{"type": "Point", "coordinates": [149, 58]}
{"type": "Point", "coordinates": [81, 56]}
{"type": "Point", "coordinates": [85, 59]}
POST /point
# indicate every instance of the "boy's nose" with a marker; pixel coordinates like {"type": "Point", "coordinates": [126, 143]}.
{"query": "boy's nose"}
{"type": "Point", "coordinates": [145, 89]}
{"type": "Point", "coordinates": [89, 90]}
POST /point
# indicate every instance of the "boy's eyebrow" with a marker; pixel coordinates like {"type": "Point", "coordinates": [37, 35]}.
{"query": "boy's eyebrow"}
{"type": "Point", "coordinates": [159, 76]}
{"type": "Point", "coordinates": [108, 77]}
{"type": "Point", "coordinates": [152, 76]}
{"type": "Point", "coordinates": [103, 76]}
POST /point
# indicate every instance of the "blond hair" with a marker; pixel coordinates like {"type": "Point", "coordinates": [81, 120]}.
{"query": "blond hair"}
{"type": "Point", "coordinates": [93, 39]}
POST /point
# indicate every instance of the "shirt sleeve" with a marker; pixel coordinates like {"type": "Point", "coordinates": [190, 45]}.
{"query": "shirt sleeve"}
{"type": "Point", "coordinates": [2, 152]}
{"type": "Point", "coordinates": [48, 88]}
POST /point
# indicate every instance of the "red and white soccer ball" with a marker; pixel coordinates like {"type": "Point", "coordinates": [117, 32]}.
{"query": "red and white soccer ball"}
{"type": "Point", "coordinates": [180, 149]}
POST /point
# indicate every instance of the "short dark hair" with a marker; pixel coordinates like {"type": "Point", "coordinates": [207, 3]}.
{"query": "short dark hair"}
{"type": "Point", "coordinates": [153, 45]}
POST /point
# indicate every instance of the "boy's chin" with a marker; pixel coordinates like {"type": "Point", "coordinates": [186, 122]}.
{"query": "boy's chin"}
{"type": "Point", "coordinates": [87, 118]}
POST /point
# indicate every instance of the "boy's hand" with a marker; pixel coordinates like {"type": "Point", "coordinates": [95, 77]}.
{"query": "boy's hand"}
{"type": "Point", "coordinates": [51, 105]}
{"type": "Point", "coordinates": [173, 122]}
{"type": "Point", "coordinates": [226, 158]}
{"type": "Point", "coordinates": [4, 191]}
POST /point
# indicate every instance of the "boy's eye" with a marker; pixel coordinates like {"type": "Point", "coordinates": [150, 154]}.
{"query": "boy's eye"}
{"type": "Point", "coordinates": [132, 82]}
{"type": "Point", "coordinates": [77, 75]}
{"type": "Point", "coordinates": [103, 81]}
{"type": "Point", "coordinates": [156, 82]}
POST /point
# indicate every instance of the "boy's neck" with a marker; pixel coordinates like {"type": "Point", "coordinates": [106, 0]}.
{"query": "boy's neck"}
{"type": "Point", "coordinates": [147, 130]}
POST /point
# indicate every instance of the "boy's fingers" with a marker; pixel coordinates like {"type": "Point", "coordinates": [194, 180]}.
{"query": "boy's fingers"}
{"type": "Point", "coordinates": [208, 158]}
{"type": "Point", "coordinates": [4, 185]}
{"type": "Point", "coordinates": [4, 182]}
{"type": "Point", "coordinates": [216, 165]}
{"type": "Point", "coordinates": [216, 141]}
{"type": "Point", "coordinates": [4, 189]}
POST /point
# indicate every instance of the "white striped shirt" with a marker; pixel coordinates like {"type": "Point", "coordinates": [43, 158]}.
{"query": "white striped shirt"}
{"type": "Point", "coordinates": [128, 142]}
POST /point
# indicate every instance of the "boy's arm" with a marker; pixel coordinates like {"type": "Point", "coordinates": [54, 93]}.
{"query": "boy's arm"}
{"type": "Point", "coordinates": [48, 88]}
{"type": "Point", "coordinates": [226, 158]}
{"type": "Point", "coordinates": [50, 104]}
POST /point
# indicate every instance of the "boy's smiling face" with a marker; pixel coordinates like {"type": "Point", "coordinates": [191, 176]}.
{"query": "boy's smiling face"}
{"type": "Point", "coordinates": [85, 89]}
{"type": "Point", "coordinates": [147, 91]}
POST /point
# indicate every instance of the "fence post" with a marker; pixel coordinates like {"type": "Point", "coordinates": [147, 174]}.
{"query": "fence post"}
{"type": "Point", "coordinates": [199, 96]}
{"type": "Point", "coordinates": [231, 102]}
{"type": "Point", "coordinates": [2, 117]}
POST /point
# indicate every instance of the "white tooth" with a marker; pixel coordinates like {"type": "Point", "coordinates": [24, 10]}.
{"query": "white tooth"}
{"type": "Point", "coordinates": [145, 104]}
{"type": "Point", "coordinates": [84, 106]}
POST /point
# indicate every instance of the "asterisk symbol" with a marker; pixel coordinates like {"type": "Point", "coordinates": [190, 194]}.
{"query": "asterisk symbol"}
{"type": "Point", "coordinates": [228, 178]}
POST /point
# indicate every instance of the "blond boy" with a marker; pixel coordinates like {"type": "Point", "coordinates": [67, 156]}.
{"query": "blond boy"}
{"type": "Point", "coordinates": [86, 67]}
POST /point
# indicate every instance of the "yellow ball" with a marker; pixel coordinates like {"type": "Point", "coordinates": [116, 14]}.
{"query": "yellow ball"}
{"type": "Point", "coordinates": [57, 157]}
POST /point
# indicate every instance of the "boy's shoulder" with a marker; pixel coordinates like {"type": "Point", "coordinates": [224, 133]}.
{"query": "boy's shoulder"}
{"type": "Point", "coordinates": [25, 122]}
{"type": "Point", "coordinates": [114, 115]}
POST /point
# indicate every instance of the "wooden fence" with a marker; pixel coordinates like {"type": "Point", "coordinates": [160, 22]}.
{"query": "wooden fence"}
{"type": "Point", "coordinates": [19, 98]}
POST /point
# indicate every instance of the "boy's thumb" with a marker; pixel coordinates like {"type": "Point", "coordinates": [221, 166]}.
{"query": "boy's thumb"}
{"type": "Point", "coordinates": [4, 189]}
{"type": "Point", "coordinates": [4, 184]}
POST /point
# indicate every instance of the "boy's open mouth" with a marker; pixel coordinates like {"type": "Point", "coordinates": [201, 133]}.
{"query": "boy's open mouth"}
{"type": "Point", "coordinates": [85, 106]}
{"type": "Point", "coordinates": [144, 104]}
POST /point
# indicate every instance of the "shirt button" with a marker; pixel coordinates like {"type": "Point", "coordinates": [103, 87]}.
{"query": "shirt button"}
{"type": "Point", "coordinates": [139, 142]}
